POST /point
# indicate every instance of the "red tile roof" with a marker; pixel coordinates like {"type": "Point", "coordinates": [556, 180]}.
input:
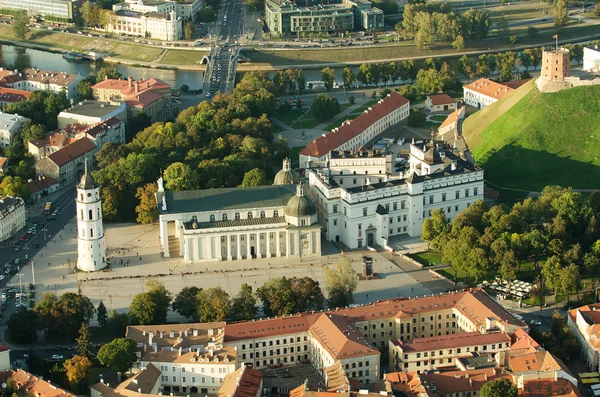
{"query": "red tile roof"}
{"type": "Point", "coordinates": [441, 99]}
{"type": "Point", "coordinates": [3, 161]}
{"type": "Point", "coordinates": [340, 338]}
{"type": "Point", "coordinates": [140, 94]}
{"type": "Point", "coordinates": [516, 83]}
{"type": "Point", "coordinates": [31, 384]}
{"type": "Point", "coordinates": [453, 117]}
{"type": "Point", "coordinates": [351, 129]}
{"type": "Point", "coordinates": [10, 95]}
{"type": "Point", "coordinates": [101, 127]}
{"type": "Point", "coordinates": [489, 88]}
{"type": "Point", "coordinates": [38, 185]}
{"type": "Point", "coordinates": [244, 382]}
{"type": "Point", "coordinates": [72, 151]}
{"type": "Point", "coordinates": [549, 388]}
{"type": "Point", "coordinates": [11, 79]}
{"type": "Point", "coordinates": [49, 76]}
{"type": "Point", "coordinates": [463, 381]}
{"type": "Point", "coordinates": [522, 340]}
{"type": "Point", "coordinates": [54, 140]}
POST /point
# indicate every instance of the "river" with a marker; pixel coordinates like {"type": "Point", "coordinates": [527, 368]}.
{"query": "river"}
{"type": "Point", "coordinates": [20, 58]}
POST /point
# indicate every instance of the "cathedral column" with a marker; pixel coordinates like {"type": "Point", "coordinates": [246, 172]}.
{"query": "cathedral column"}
{"type": "Point", "coordinates": [210, 247]}
{"type": "Point", "coordinates": [268, 244]}
{"type": "Point", "coordinates": [239, 251]}
{"type": "Point", "coordinates": [228, 247]}
{"type": "Point", "coordinates": [277, 247]}
{"type": "Point", "coordinates": [258, 255]}
{"type": "Point", "coordinates": [318, 243]}
{"type": "Point", "coordinates": [164, 237]}
{"type": "Point", "coordinates": [248, 252]}
{"type": "Point", "coordinates": [287, 244]}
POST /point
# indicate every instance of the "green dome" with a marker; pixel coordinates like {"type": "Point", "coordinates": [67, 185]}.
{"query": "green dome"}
{"type": "Point", "coordinates": [286, 177]}
{"type": "Point", "coordinates": [300, 206]}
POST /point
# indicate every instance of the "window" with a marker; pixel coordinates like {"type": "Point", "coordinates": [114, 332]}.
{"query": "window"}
{"type": "Point", "coordinates": [212, 218]}
{"type": "Point", "coordinates": [174, 379]}
{"type": "Point", "coordinates": [335, 222]}
{"type": "Point", "coordinates": [237, 216]}
{"type": "Point", "coordinates": [430, 199]}
{"type": "Point", "coordinates": [395, 206]}
{"type": "Point", "coordinates": [403, 204]}
{"type": "Point", "coordinates": [91, 232]}
{"type": "Point", "coordinates": [90, 212]}
{"type": "Point", "coordinates": [183, 379]}
{"type": "Point", "coordinates": [224, 217]}
{"type": "Point", "coordinates": [443, 196]}
{"type": "Point", "coordinates": [275, 214]}
{"type": "Point", "coordinates": [456, 208]}
{"type": "Point", "coordinates": [81, 214]}
{"type": "Point", "coordinates": [98, 213]}
{"type": "Point", "coordinates": [365, 211]}
{"type": "Point", "coordinates": [249, 215]}
{"type": "Point", "coordinates": [466, 192]}
{"type": "Point", "coordinates": [387, 207]}
{"type": "Point", "coordinates": [457, 194]}
{"type": "Point", "coordinates": [403, 218]}
{"type": "Point", "coordinates": [474, 191]}
{"type": "Point", "coordinates": [262, 214]}
{"type": "Point", "coordinates": [335, 208]}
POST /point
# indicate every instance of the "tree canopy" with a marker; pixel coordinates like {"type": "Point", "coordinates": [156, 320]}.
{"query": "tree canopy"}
{"type": "Point", "coordinates": [284, 296]}
{"type": "Point", "coordinates": [340, 279]}
{"type": "Point", "coordinates": [119, 354]}
{"type": "Point", "coordinates": [151, 307]}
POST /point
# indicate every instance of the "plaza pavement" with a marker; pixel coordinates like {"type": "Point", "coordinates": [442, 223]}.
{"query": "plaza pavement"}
{"type": "Point", "coordinates": [132, 242]}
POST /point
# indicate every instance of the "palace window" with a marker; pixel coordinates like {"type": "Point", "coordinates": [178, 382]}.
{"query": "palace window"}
{"type": "Point", "coordinates": [212, 218]}
{"type": "Point", "coordinates": [262, 214]}
{"type": "Point", "coordinates": [224, 217]}
{"type": "Point", "coordinates": [275, 214]}
{"type": "Point", "coordinates": [237, 216]}
{"type": "Point", "coordinates": [249, 215]}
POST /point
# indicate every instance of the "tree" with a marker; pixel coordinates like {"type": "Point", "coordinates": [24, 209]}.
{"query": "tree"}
{"type": "Point", "coordinates": [23, 326]}
{"type": "Point", "coordinates": [207, 14]}
{"type": "Point", "coordinates": [147, 209]}
{"type": "Point", "coordinates": [324, 107]}
{"type": "Point", "coordinates": [435, 228]}
{"type": "Point", "coordinates": [416, 118]}
{"type": "Point", "coordinates": [119, 354]}
{"type": "Point", "coordinates": [285, 296]}
{"type": "Point", "coordinates": [254, 177]}
{"type": "Point", "coordinates": [351, 99]}
{"type": "Point", "coordinates": [20, 28]}
{"type": "Point", "coordinates": [570, 280]}
{"type": "Point", "coordinates": [508, 264]}
{"type": "Point", "coordinates": [466, 66]}
{"type": "Point", "coordinates": [513, 39]}
{"type": "Point", "coordinates": [108, 73]}
{"type": "Point", "coordinates": [90, 13]}
{"type": "Point", "coordinates": [429, 81]}
{"type": "Point", "coordinates": [14, 186]}
{"type": "Point", "coordinates": [328, 78]}
{"type": "Point", "coordinates": [561, 14]}
{"type": "Point", "coordinates": [348, 77]}
{"type": "Point", "coordinates": [84, 89]}
{"type": "Point", "coordinates": [340, 280]}
{"type": "Point", "coordinates": [188, 31]}
{"type": "Point", "coordinates": [117, 323]}
{"type": "Point", "coordinates": [186, 302]}
{"type": "Point", "coordinates": [77, 369]}
{"type": "Point", "coordinates": [532, 31]}
{"type": "Point", "coordinates": [498, 388]}
{"type": "Point", "coordinates": [244, 304]}
{"type": "Point", "coordinates": [503, 29]}
{"type": "Point", "coordinates": [102, 315]}
{"type": "Point", "coordinates": [459, 43]}
{"type": "Point", "coordinates": [179, 177]}
{"type": "Point", "coordinates": [83, 342]}
{"type": "Point", "coordinates": [214, 304]}
{"type": "Point", "coordinates": [552, 274]}
{"type": "Point", "coordinates": [151, 307]}
{"type": "Point", "coordinates": [64, 316]}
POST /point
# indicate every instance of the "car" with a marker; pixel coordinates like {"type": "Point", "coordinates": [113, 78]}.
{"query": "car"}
{"type": "Point", "coordinates": [15, 245]}
{"type": "Point", "coordinates": [2, 277]}
{"type": "Point", "coordinates": [57, 357]}
{"type": "Point", "coordinates": [36, 245]}
{"type": "Point", "coordinates": [22, 238]}
{"type": "Point", "coordinates": [535, 322]}
{"type": "Point", "coordinates": [17, 261]}
{"type": "Point", "coordinates": [17, 249]}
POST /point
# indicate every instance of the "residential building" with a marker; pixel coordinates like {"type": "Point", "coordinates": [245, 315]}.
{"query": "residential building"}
{"type": "Point", "coordinates": [34, 79]}
{"type": "Point", "coordinates": [111, 130]}
{"type": "Point", "coordinates": [484, 92]}
{"type": "Point", "coordinates": [453, 122]}
{"type": "Point", "coordinates": [149, 96]}
{"type": "Point", "coordinates": [591, 59]}
{"type": "Point", "coordinates": [353, 134]}
{"type": "Point", "coordinates": [363, 202]}
{"type": "Point", "coordinates": [66, 165]}
{"type": "Point", "coordinates": [10, 96]}
{"type": "Point", "coordinates": [143, 383]}
{"type": "Point", "coordinates": [64, 9]}
{"type": "Point", "coordinates": [10, 124]}
{"type": "Point", "coordinates": [12, 219]}
{"type": "Point", "coordinates": [143, 6]}
{"type": "Point", "coordinates": [438, 352]}
{"type": "Point", "coordinates": [304, 391]}
{"type": "Point", "coordinates": [440, 103]}
{"type": "Point", "coordinates": [3, 165]}
{"type": "Point", "coordinates": [243, 382]}
{"type": "Point", "coordinates": [88, 113]}
{"type": "Point", "coordinates": [49, 144]}
{"type": "Point", "coordinates": [188, 9]}
{"type": "Point", "coordinates": [41, 186]}
{"type": "Point", "coordinates": [238, 223]}
{"type": "Point", "coordinates": [584, 322]}
{"type": "Point", "coordinates": [154, 19]}
{"type": "Point", "coordinates": [287, 17]}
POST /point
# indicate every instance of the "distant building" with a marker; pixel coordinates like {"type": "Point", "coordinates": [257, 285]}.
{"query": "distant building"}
{"type": "Point", "coordinates": [188, 9]}
{"type": "Point", "coordinates": [584, 322]}
{"type": "Point", "coordinates": [66, 164]}
{"type": "Point", "coordinates": [49, 144]}
{"type": "Point", "coordinates": [10, 124]}
{"type": "Point", "coordinates": [153, 19]}
{"type": "Point", "coordinates": [34, 79]}
{"type": "Point", "coordinates": [440, 103]}
{"type": "Point", "coordinates": [556, 65]}
{"type": "Point", "coordinates": [64, 9]}
{"type": "Point", "coordinates": [12, 219]}
{"type": "Point", "coordinates": [9, 96]}
{"type": "Point", "coordinates": [591, 59]}
{"type": "Point", "coordinates": [452, 122]}
{"type": "Point", "coordinates": [89, 113]}
{"type": "Point", "coordinates": [149, 96]}
{"type": "Point", "coordinates": [3, 165]}
{"type": "Point", "coordinates": [484, 92]}
{"type": "Point", "coordinates": [111, 130]}
{"type": "Point", "coordinates": [41, 186]}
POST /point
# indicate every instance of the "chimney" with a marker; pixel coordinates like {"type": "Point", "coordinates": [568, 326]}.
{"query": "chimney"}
{"type": "Point", "coordinates": [137, 87]}
{"type": "Point", "coordinates": [470, 382]}
{"type": "Point", "coordinates": [171, 334]}
{"type": "Point", "coordinates": [180, 351]}
{"type": "Point", "coordinates": [130, 79]}
{"type": "Point", "coordinates": [105, 77]}
{"type": "Point", "coordinates": [139, 389]}
{"type": "Point", "coordinates": [195, 332]}
{"type": "Point", "coordinates": [135, 381]}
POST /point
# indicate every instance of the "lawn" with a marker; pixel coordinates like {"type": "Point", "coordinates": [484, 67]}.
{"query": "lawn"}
{"type": "Point", "coordinates": [295, 155]}
{"type": "Point", "coordinates": [289, 115]}
{"type": "Point", "coordinates": [520, 12]}
{"type": "Point", "coordinates": [544, 139]}
{"type": "Point", "coordinates": [183, 57]}
{"type": "Point", "coordinates": [310, 121]}
{"type": "Point", "coordinates": [427, 258]}
{"type": "Point", "coordinates": [590, 15]}
{"type": "Point", "coordinates": [112, 48]}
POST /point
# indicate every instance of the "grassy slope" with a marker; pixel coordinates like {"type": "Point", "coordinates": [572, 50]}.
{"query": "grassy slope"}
{"type": "Point", "coordinates": [543, 139]}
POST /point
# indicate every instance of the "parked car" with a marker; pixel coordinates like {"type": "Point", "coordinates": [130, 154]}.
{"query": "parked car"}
{"type": "Point", "coordinates": [57, 357]}
{"type": "Point", "coordinates": [535, 322]}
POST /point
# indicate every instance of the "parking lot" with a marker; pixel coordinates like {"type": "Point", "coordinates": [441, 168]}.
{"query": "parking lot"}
{"type": "Point", "coordinates": [284, 379]}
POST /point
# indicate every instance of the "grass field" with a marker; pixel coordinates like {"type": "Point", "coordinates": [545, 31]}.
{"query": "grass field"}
{"type": "Point", "coordinates": [182, 57]}
{"type": "Point", "coordinates": [526, 273]}
{"type": "Point", "coordinates": [113, 48]}
{"type": "Point", "coordinates": [428, 257]}
{"type": "Point", "coordinates": [543, 139]}
{"type": "Point", "coordinates": [310, 121]}
{"type": "Point", "coordinates": [295, 155]}
{"type": "Point", "coordinates": [521, 12]}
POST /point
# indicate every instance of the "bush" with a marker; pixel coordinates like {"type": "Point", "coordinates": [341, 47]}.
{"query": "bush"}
{"type": "Point", "coordinates": [351, 100]}
{"type": "Point", "coordinates": [513, 39]}
{"type": "Point", "coordinates": [416, 118]}
{"type": "Point", "coordinates": [597, 10]}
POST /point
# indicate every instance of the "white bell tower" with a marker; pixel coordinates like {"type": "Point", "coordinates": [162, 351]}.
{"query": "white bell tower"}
{"type": "Point", "coordinates": [90, 233]}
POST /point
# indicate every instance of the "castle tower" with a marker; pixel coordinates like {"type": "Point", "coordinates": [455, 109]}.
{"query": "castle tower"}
{"type": "Point", "coordinates": [556, 64]}
{"type": "Point", "coordinates": [90, 233]}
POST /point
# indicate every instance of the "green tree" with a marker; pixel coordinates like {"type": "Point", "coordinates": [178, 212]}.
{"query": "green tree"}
{"type": "Point", "coordinates": [77, 369]}
{"type": "Point", "coordinates": [20, 28]}
{"type": "Point", "coordinates": [23, 326]}
{"type": "Point", "coordinates": [84, 89]}
{"type": "Point", "coordinates": [207, 14]}
{"type": "Point", "coordinates": [147, 209]}
{"type": "Point", "coordinates": [214, 304]}
{"type": "Point", "coordinates": [102, 315]}
{"type": "Point", "coordinates": [570, 280]}
{"type": "Point", "coordinates": [90, 13]}
{"type": "Point", "coordinates": [117, 323]}
{"type": "Point", "coordinates": [151, 307]}
{"type": "Point", "coordinates": [466, 66]}
{"type": "Point", "coordinates": [475, 23]}
{"type": "Point", "coordinates": [328, 78]}
{"type": "Point", "coordinates": [416, 118]}
{"type": "Point", "coordinates": [179, 177]}
{"type": "Point", "coordinates": [498, 388]}
{"type": "Point", "coordinates": [188, 31]}
{"type": "Point", "coordinates": [285, 296]}
{"type": "Point", "coordinates": [513, 39]}
{"type": "Point", "coordinates": [324, 107]}
{"type": "Point", "coordinates": [435, 229]}
{"type": "Point", "coordinates": [561, 14]}
{"type": "Point", "coordinates": [254, 177]}
{"type": "Point", "coordinates": [340, 280]}
{"type": "Point", "coordinates": [14, 186]}
{"type": "Point", "coordinates": [429, 81]}
{"type": "Point", "coordinates": [351, 99]}
{"type": "Point", "coordinates": [459, 43]}
{"type": "Point", "coordinates": [457, 249]}
{"type": "Point", "coordinates": [348, 78]}
{"type": "Point", "coordinates": [63, 316]}
{"type": "Point", "coordinates": [83, 342]}
{"type": "Point", "coordinates": [552, 274]}
{"type": "Point", "coordinates": [186, 302]}
{"type": "Point", "coordinates": [108, 73]}
{"type": "Point", "coordinates": [244, 306]}
{"type": "Point", "coordinates": [118, 355]}
{"type": "Point", "coordinates": [508, 265]}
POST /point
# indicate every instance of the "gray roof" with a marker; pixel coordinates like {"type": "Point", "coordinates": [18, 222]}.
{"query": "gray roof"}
{"type": "Point", "coordinates": [227, 199]}
{"type": "Point", "coordinates": [90, 108]}
{"type": "Point", "coordinates": [285, 177]}
{"type": "Point", "coordinates": [234, 223]}
{"type": "Point", "coordinates": [300, 206]}
{"type": "Point", "coordinates": [87, 182]}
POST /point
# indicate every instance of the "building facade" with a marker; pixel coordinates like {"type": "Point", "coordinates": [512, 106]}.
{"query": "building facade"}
{"type": "Point", "coordinates": [55, 8]}
{"type": "Point", "coordinates": [154, 19]}
{"type": "Point", "coordinates": [91, 251]}
{"type": "Point", "coordinates": [591, 59]}
{"type": "Point", "coordinates": [440, 103]}
{"type": "Point", "coordinates": [89, 113]}
{"type": "Point", "coordinates": [66, 165]}
{"type": "Point", "coordinates": [188, 9]}
{"type": "Point", "coordinates": [353, 134]}
{"type": "Point", "coordinates": [9, 96]}
{"type": "Point", "coordinates": [238, 223]}
{"type": "Point", "coordinates": [34, 79]}
{"type": "Point", "coordinates": [10, 124]}
{"type": "Point", "coordinates": [12, 216]}
{"type": "Point", "coordinates": [584, 322]}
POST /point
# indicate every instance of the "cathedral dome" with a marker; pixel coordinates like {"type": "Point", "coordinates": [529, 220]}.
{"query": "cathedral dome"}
{"type": "Point", "coordinates": [286, 176]}
{"type": "Point", "coordinates": [300, 205]}
{"type": "Point", "coordinates": [87, 181]}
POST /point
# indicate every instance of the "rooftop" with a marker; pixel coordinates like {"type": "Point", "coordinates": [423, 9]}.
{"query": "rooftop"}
{"type": "Point", "coordinates": [102, 127]}
{"type": "Point", "coordinates": [33, 385]}
{"type": "Point", "coordinates": [489, 88]}
{"type": "Point", "coordinates": [463, 381]}
{"type": "Point", "coordinates": [9, 121]}
{"type": "Point", "coordinates": [453, 117]}
{"type": "Point", "coordinates": [72, 151]}
{"type": "Point", "coordinates": [244, 382]}
{"type": "Point", "coordinates": [49, 76]}
{"type": "Point", "coordinates": [91, 109]}
{"type": "Point", "coordinates": [8, 205]}
{"type": "Point", "coordinates": [136, 93]}
{"type": "Point", "coordinates": [11, 95]}
{"type": "Point", "coordinates": [41, 183]}
{"type": "Point", "coordinates": [441, 99]}
{"type": "Point", "coordinates": [452, 341]}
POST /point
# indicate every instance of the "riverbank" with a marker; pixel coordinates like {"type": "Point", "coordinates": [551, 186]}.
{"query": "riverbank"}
{"type": "Point", "coordinates": [114, 51]}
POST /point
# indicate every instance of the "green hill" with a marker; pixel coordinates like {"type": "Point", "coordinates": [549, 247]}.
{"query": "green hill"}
{"type": "Point", "coordinates": [529, 140]}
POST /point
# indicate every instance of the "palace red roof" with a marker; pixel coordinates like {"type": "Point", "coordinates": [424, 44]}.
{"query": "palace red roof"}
{"type": "Point", "coordinates": [10, 95]}
{"type": "Point", "coordinates": [441, 99]}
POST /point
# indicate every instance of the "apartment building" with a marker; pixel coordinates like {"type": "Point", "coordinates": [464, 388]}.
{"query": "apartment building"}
{"type": "Point", "coordinates": [12, 217]}
{"type": "Point", "coordinates": [34, 79]}
{"type": "Point", "coordinates": [10, 124]}
{"type": "Point", "coordinates": [584, 322]}
{"type": "Point", "coordinates": [66, 164]}
{"type": "Point", "coordinates": [154, 19]}
{"type": "Point", "coordinates": [484, 92]}
{"type": "Point", "coordinates": [89, 112]}
{"type": "Point", "coordinates": [10, 96]}
{"type": "Point", "coordinates": [111, 130]}
{"type": "Point", "coordinates": [64, 9]}
{"type": "Point", "coordinates": [353, 134]}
